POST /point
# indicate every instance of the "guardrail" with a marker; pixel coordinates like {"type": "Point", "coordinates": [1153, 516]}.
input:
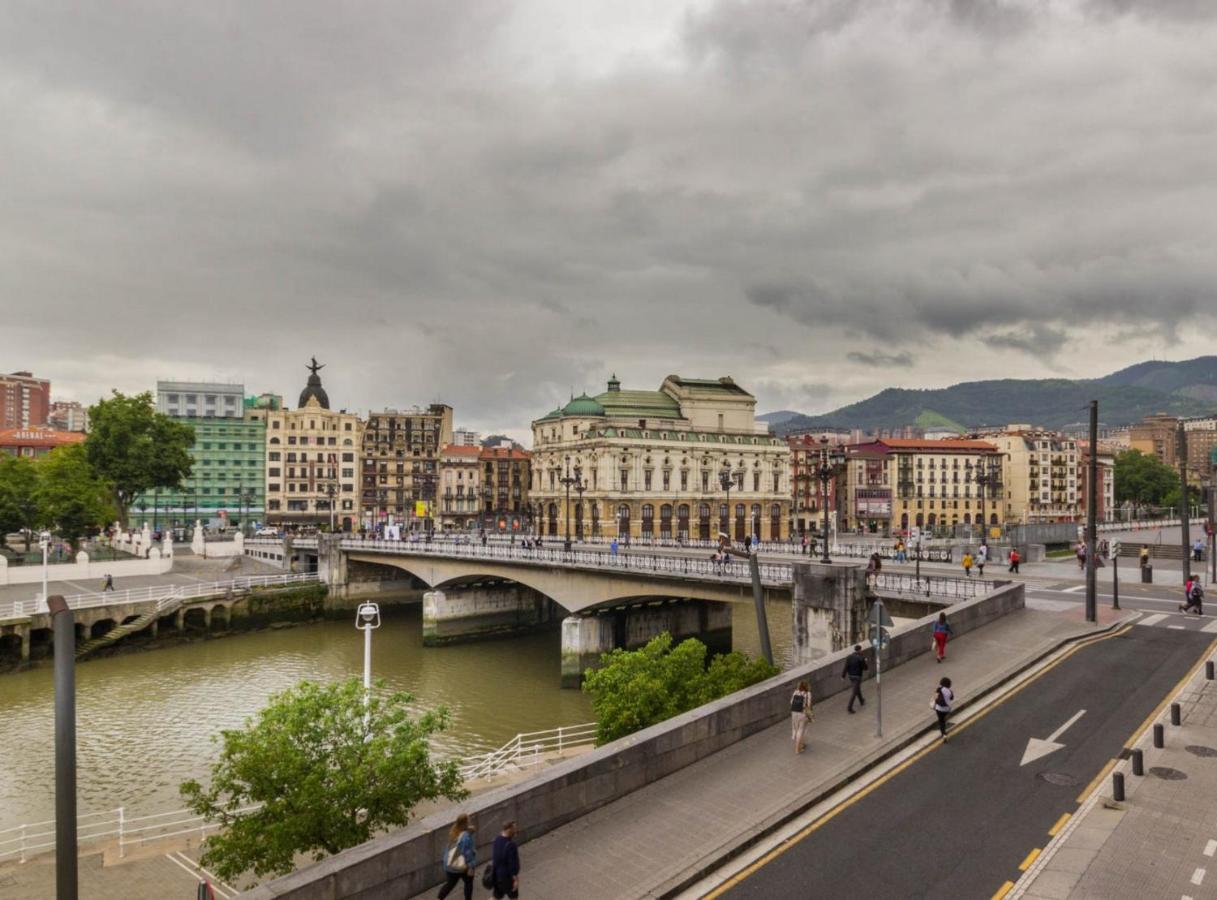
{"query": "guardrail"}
{"type": "Point", "coordinates": [931, 585]}
{"type": "Point", "coordinates": [23, 841]}
{"type": "Point", "coordinates": [37, 605]}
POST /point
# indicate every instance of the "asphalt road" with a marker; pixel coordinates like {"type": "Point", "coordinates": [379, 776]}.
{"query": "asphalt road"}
{"type": "Point", "coordinates": [959, 820]}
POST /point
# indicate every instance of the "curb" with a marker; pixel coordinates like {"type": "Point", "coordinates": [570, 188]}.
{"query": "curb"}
{"type": "Point", "coordinates": [674, 886]}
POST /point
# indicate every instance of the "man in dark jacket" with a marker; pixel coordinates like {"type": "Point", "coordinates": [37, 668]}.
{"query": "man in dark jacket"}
{"type": "Point", "coordinates": [505, 861]}
{"type": "Point", "coordinates": [855, 669]}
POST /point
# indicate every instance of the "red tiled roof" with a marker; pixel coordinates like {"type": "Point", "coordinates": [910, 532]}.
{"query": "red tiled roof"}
{"type": "Point", "coordinates": [38, 437]}
{"type": "Point", "coordinates": [461, 450]}
{"type": "Point", "coordinates": [505, 453]}
{"type": "Point", "coordinates": [932, 446]}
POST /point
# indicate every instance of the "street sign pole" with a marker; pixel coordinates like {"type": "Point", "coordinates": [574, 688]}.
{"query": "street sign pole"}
{"type": "Point", "coordinates": [880, 621]}
{"type": "Point", "coordinates": [1115, 574]}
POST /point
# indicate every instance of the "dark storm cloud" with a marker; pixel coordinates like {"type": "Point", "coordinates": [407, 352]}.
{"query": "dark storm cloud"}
{"type": "Point", "coordinates": [902, 360]}
{"type": "Point", "coordinates": [494, 202]}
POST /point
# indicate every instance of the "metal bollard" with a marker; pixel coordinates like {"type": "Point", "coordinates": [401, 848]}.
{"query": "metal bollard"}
{"type": "Point", "coordinates": [1208, 670]}
{"type": "Point", "coordinates": [1138, 762]}
{"type": "Point", "coordinates": [1176, 714]}
{"type": "Point", "coordinates": [1159, 736]}
{"type": "Point", "coordinates": [1117, 786]}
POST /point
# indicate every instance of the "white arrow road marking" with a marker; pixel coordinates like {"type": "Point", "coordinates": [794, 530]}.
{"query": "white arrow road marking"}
{"type": "Point", "coordinates": [1037, 748]}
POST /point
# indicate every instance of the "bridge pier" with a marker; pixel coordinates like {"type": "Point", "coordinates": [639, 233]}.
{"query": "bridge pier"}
{"type": "Point", "coordinates": [25, 644]}
{"type": "Point", "coordinates": [470, 613]}
{"type": "Point", "coordinates": [584, 639]}
{"type": "Point", "coordinates": [831, 603]}
{"type": "Point", "coordinates": [179, 620]}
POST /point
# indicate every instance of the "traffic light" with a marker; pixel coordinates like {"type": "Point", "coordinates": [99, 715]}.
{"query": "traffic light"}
{"type": "Point", "coordinates": [1115, 549]}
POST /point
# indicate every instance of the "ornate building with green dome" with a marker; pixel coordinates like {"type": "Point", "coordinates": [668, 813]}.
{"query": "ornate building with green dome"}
{"type": "Point", "coordinates": [686, 462]}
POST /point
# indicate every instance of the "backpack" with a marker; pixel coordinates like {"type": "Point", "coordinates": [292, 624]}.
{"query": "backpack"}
{"type": "Point", "coordinates": [796, 702]}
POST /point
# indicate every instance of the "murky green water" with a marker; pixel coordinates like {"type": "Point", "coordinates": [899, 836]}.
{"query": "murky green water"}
{"type": "Point", "coordinates": [144, 720]}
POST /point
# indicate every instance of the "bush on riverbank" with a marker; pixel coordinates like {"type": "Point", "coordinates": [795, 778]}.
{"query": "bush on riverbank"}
{"type": "Point", "coordinates": [634, 689]}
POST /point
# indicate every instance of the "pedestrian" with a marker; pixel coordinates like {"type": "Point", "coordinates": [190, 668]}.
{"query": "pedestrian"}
{"type": "Point", "coordinates": [872, 565]}
{"type": "Point", "coordinates": [613, 548]}
{"type": "Point", "coordinates": [1081, 554]}
{"type": "Point", "coordinates": [747, 544]}
{"type": "Point", "coordinates": [941, 704]}
{"type": "Point", "coordinates": [900, 555]}
{"type": "Point", "coordinates": [1193, 593]}
{"type": "Point", "coordinates": [804, 544]}
{"type": "Point", "coordinates": [505, 864]}
{"type": "Point", "coordinates": [855, 669]}
{"type": "Point", "coordinates": [460, 857]}
{"type": "Point", "coordinates": [1014, 560]}
{"type": "Point", "coordinates": [982, 557]}
{"type": "Point", "coordinates": [1197, 550]}
{"type": "Point", "coordinates": [967, 563]}
{"type": "Point", "coordinates": [942, 631]}
{"type": "Point", "coordinates": [107, 583]}
{"type": "Point", "coordinates": [800, 714]}
{"type": "Point", "coordinates": [1144, 555]}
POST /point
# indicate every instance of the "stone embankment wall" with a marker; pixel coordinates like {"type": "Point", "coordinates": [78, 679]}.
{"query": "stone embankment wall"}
{"type": "Point", "coordinates": [405, 863]}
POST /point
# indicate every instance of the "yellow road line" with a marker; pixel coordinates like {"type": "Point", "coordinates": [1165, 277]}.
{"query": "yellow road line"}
{"type": "Point", "coordinates": [1003, 890]}
{"type": "Point", "coordinates": [1060, 823]}
{"type": "Point", "coordinates": [1028, 860]}
{"type": "Point", "coordinates": [830, 814]}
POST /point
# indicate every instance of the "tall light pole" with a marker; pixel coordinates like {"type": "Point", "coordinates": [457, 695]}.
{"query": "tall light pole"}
{"type": "Point", "coordinates": [568, 481]}
{"type": "Point", "coordinates": [1184, 507]}
{"type": "Point", "coordinates": [367, 620]}
{"type": "Point", "coordinates": [825, 470]}
{"type": "Point", "coordinates": [1092, 514]}
{"type": "Point", "coordinates": [724, 479]}
{"type": "Point", "coordinates": [44, 541]}
{"type": "Point", "coordinates": [580, 487]}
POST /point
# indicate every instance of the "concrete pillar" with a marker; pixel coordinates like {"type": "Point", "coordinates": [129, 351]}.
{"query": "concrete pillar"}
{"type": "Point", "coordinates": [464, 614]}
{"type": "Point", "coordinates": [154, 628]}
{"type": "Point", "coordinates": [25, 644]}
{"type": "Point", "coordinates": [207, 619]}
{"type": "Point", "coordinates": [331, 560]}
{"type": "Point", "coordinates": [830, 608]}
{"type": "Point", "coordinates": [584, 639]}
{"type": "Point", "coordinates": [179, 620]}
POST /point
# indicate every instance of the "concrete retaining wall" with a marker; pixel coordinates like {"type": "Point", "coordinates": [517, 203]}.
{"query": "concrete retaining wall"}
{"type": "Point", "coordinates": [407, 862]}
{"type": "Point", "coordinates": [84, 568]}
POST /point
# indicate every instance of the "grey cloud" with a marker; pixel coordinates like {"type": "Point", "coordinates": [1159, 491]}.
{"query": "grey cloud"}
{"type": "Point", "coordinates": [1039, 341]}
{"type": "Point", "coordinates": [903, 360]}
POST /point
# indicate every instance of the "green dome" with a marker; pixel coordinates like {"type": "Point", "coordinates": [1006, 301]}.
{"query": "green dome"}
{"type": "Point", "coordinates": [555, 414]}
{"type": "Point", "coordinates": [583, 405]}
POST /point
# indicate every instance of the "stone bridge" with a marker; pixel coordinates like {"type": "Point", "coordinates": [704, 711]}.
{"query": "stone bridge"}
{"type": "Point", "coordinates": [622, 599]}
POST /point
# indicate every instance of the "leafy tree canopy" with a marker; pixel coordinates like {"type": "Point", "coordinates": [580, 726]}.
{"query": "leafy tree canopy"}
{"type": "Point", "coordinates": [135, 448]}
{"type": "Point", "coordinates": [638, 688]}
{"type": "Point", "coordinates": [1144, 480]}
{"type": "Point", "coordinates": [324, 781]}
{"type": "Point", "coordinates": [19, 508]}
{"type": "Point", "coordinates": [71, 497]}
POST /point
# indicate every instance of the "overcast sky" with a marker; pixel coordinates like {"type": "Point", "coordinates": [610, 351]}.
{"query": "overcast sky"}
{"type": "Point", "coordinates": [494, 203]}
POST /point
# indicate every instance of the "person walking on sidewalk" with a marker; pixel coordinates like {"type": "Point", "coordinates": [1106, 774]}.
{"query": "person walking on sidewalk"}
{"type": "Point", "coordinates": [855, 669]}
{"type": "Point", "coordinates": [505, 864]}
{"type": "Point", "coordinates": [942, 632]}
{"type": "Point", "coordinates": [108, 583]}
{"type": "Point", "coordinates": [982, 557]}
{"type": "Point", "coordinates": [800, 714]}
{"type": "Point", "coordinates": [1193, 594]}
{"type": "Point", "coordinates": [967, 563]}
{"type": "Point", "coordinates": [460, 857]}
{"type": "Point", "coordinates": [941, 704]}
{"type": "Point", "coordinates": [1014, 560]}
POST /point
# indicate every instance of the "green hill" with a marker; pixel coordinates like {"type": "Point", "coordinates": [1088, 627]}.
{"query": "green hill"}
{"type": "Point", "coordinates": [1183, 388]}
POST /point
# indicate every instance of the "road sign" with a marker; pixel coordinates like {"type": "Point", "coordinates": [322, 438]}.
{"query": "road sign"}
{"type": "Point", "coordinates": [879, 615]}
{"type": "Point", "coordinates": [914, 533]}
{"type": "Point", "coordinates": [1115, 549]}
{"type": "Point", "coordinates": [1037, 748]}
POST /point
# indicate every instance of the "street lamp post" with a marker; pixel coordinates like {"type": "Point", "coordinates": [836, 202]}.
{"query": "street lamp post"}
{"type": "Point", "coordinates": [367, 620]}
{"type": "Point", "coordinates": [44, 541]}
{"type": "Point", "coordinates": [825, 470]}
{"type": "Point", "coordinates": [580, 487]}
{"type": "Point", "coordinates": [568, 481]}
{"type": "Point", "coordinates": [724, 480]}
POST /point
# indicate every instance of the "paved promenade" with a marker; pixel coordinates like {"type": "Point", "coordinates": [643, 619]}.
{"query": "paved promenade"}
{"type": "Point", "coordinates": [1162, 841]}
{"type": "Point", "coordinates": [657, 839]}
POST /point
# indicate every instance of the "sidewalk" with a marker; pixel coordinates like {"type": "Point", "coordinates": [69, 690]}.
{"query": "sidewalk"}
{"type": "Point", "coordinates": [662, 837]}
{"type": "Point", "coordinates": [1162, 840]}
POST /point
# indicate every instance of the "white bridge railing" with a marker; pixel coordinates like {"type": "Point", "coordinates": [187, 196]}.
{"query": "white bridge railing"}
{"type": "Point", "coordinates": [24, 841]}
{"type": "Point", "coordinates": [156, 593]}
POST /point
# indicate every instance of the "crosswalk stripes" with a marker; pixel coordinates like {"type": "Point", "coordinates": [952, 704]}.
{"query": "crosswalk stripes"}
{"type": "Point", "coordinates": [1152, 620]}
{"type": "Point", "coordinates": [1211, 627]}
{"type": "Point", "coordinates": [1179, 622]}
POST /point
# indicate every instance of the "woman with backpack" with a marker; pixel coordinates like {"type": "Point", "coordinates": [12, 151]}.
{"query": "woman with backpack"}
{"type": "Point", "coordinates": [460, 857]}
{"type": "Point", "coordinates": [941, 704]}
{"type": "Point", "coordinates": [942, 631]}
{"type": "Point", "coordinates": [800, 715]}
{"type": "Point", "coordinates": [1193, 593]}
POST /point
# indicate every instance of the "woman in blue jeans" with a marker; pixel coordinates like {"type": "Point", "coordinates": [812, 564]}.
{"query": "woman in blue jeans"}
{"type": "Point", "coordinates": [460, 857]}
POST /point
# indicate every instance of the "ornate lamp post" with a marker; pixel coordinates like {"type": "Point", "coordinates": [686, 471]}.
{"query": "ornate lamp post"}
{"type": "Point", "coordinates": [725, 478]}
{"type": "Point", "coordinates": [568, 481]}
{"type": "Point", "coordinates": [825, 470]}
{"type": "Point", "coordinates": [986, 474]}
{"type": "Point", "coordinates": [580, 487]}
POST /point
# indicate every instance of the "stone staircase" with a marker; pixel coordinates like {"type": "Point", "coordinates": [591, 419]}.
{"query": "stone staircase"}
{"type": "Point", "coordinates": [165, 606]}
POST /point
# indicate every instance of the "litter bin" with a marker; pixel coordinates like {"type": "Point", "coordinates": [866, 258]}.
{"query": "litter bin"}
{"type": "Point", "coordinates": [1147, 574]}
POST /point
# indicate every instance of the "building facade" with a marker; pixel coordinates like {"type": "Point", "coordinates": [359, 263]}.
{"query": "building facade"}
{"type": "Point", "coordinates": [400, 465]}
{"type": "Point", "coordinates": [506, 477]}
{"type": "Point", "coordinates": [1040, 472]}
{"type": "Point", "coordinates": [32, 442]}
{"type": "Point", "coordinates": [463, 437]}
{"type": "Point", "coordinates": [650, 463]}
{"type": "Point", "coordinates": [68, 415]}
{"type": "Point", "coordinates": [807, 490]}
{"type": "Point", "coordinates": [892, 485]}
{"type": "Point", "coordinates": [1159, 436]}
{"type": "Point", "coordinates": [460, 496]}
{"type": "Point", "coordinates": [226, 487]}
{"type": "Point", "coordinates": [1106, 497]}
{"type": "Point", "coordinates": [25, 401]}
{"type": "Point", "coordinates": [312, 455]}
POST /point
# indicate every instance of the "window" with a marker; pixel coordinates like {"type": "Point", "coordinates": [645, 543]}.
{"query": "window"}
{"type": "Point", "coordinates": [684, 480]}
{"type": "Point", "coordinates": [273, 472]}
{"type": "Point", "coordinates": [625, 479]}
{"type": "Point", "coordinates": [274, 504]}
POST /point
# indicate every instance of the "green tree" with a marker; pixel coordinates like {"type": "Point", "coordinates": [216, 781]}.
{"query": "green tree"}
{"type": "Point", "coordinates": [634, 689]}
{"type": "Point", "coordinates": [71, 497]}
{"type": "Point", "coordinates": [324, 782]}
{"type": "Point", "coordinates": [19, 509]}
{"type": "Point", "coordinates": [1142, 479]}
{"type": "Point", "coordinates": [135, 448]}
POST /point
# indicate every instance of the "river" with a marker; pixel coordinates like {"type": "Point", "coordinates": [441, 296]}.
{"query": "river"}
{"type": "Point", "coordinates": [145, 720]}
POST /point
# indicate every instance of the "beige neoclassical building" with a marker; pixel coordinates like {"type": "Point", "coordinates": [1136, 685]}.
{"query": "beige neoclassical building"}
{"type": "Point", "coordinates": [651, 464]}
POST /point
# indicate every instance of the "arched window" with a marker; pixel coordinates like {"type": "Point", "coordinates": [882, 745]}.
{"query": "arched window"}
{"type": "Point", "coordinates": [623, 520]}
{"type": "Point", "coordinates": [274, 440]}
{"type": "Point", "coordinates": [682, 521]}
{"type": "Point", "coordinates": [551, 515]}
{"type": "Point", "coordinates": [920, 520]}
{"type": "Point", "coordinates": [648, 520]}
{"type": "Point", "coordinates": [755, 524]}
{"type": "Point", "coordinates": [775, 522]}
{"type": "Point", "coordinates": [703, 521]}
{"type": "Point", "coordinates": [665, 521]}
{"type": "Point", "coordinates": [595, 519]}
{"type": "Point", "coordinates": [578, 520]}
{"type": "Point", "coordinates": [740, 527]}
